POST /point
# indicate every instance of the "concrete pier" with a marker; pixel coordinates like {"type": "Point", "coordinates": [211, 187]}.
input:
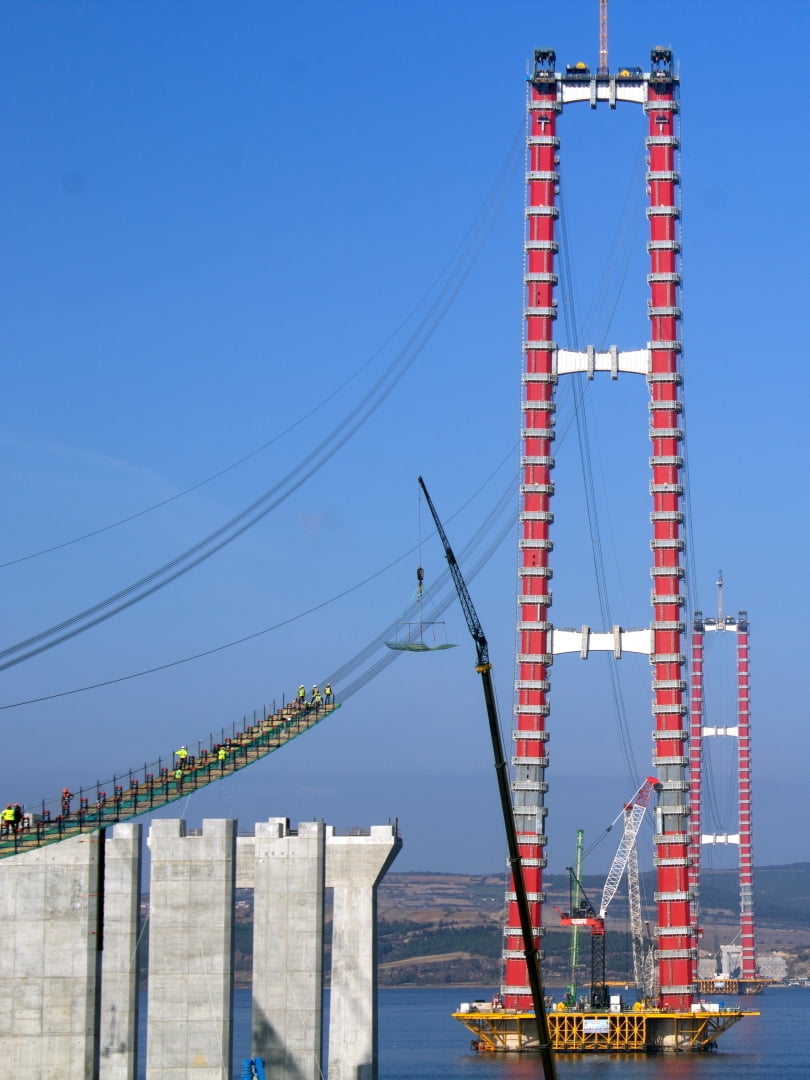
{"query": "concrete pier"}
{"type": "Point", "coordinates": [49, 960]}
{"type": "Point", "coordinates": [289, 871]}
{"type": "Point", "coordinates": [118, 1016]}
{"type": "Point", "coordinates": [354, 867]}
{"type": "Point", "coordinates": [288, 906]}
{"type": "Point", "coordinates": [68, 961]}
{"type": "Point", "coordinates": [190, 951]}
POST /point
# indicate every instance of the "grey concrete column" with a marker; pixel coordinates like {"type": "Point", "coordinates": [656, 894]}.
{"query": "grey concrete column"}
{"type": "Point", "coordinates": [288, 949]}
{"type": "Point", "coordinates": [118, 1040]}
{"type": "Point", "coordinates": [190, 951]}
{"type": "Point", "coordinates": [354, 866]}
{"type": "Point", "coordinates": [48, 960]}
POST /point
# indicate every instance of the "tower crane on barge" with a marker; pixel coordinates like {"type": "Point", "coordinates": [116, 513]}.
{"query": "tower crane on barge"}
{"type": "Point", "coordinates": [484, 669]}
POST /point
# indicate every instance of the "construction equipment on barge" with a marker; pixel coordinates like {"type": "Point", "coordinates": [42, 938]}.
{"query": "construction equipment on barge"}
{"type": "Point", "coordinates": [637, 1030]}
{"type": "Point", "coordinates": [605, 1022]}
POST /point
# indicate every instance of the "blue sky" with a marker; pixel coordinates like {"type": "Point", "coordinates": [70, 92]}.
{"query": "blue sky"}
{"type": "Point", "coordinates": [223, 224]}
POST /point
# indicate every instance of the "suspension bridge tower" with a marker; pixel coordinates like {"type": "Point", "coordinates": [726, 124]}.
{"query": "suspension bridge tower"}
{"type": "Point", "coordinates": [748, 980]}
{"type": "Point", "coordinates": [673, 1019]}
{"type": "Point", "coordinates": [656, 91]}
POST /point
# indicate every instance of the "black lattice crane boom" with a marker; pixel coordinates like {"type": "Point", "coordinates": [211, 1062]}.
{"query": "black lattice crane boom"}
{"type": "Point", "coordinates": [484, 669]}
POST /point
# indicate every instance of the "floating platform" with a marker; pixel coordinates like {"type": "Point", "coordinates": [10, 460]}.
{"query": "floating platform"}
{"type": "Point", "coordinates": [726, 984]}
{"type": "Point", "coordinates": [634, 1031]}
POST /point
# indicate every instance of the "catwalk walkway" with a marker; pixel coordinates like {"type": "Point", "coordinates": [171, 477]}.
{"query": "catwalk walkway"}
{"type": "Point", "coordinates": [164, 781]}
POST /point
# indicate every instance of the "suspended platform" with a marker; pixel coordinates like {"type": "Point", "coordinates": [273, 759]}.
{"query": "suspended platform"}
{"type": "Point", "coordinates": [141, 791]}
{"type": "Point", "coordinates": [416, 646]}
{"type": "Point", "coordinates": [634, 1031]}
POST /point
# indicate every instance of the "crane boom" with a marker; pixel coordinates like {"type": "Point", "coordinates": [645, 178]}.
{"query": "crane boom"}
{"type": "Point", "coordinates": [576, 900]}
{"type": "Point", "coordinates": [643, 954]}
{"type": "Point", "coordinates": [484, 669]}
{"type": "Point", "coordinates": [634, 815]}
{"type": "Point", "coordinates": [582, 912]}
{"type": "Point", "coordinates": [473, 624]}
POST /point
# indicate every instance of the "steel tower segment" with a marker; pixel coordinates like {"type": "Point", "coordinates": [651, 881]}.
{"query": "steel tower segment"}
{"type": "Point", "coordinates": [536, 462]}
{"type": "Point", "coordinates": [749, 960]}
{"type": "Point", "coordinates": [676, 953]}
{"type": "Point", "coordinates": [742, 732]}
{"type": "Point", "coordinates": [538, 641]}
{"type": "Point", "coordinates": [696, 707]}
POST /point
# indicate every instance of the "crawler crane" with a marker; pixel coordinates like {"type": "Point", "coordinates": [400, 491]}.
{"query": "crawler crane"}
{"type": "Point", "coordinates": [582, 913]}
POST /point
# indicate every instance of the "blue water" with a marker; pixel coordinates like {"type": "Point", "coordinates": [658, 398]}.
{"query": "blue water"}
{"type": "Point", "coordinates": [419, 1040]}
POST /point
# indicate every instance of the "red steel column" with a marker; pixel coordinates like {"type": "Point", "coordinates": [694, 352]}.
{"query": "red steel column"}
{"type": "Point", "coordinates": [749, 959]}
{"type": "Point", "coordinates": [696, 755]}
{"type": "Point", "coordinates": [534, 650]}
{"type": "Point", "coordinates": [676, 946]}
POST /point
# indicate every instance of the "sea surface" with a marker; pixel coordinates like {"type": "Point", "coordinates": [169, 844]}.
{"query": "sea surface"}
{"type": "Point", "coordinates": [419, 1040]}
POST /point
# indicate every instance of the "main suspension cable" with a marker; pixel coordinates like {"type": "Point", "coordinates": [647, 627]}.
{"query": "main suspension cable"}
{"type": "Point", "coordinates": [310, 464]}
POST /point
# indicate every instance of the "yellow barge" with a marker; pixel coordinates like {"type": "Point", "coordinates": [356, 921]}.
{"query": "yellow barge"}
{"type": "Point", "coordinates": [574, 1031]}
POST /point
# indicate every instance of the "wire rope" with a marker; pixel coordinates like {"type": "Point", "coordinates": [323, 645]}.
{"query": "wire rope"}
{"type": "Point", "coordinates": [254, 513]}
{"type": "Point", "coordinates": [284, 622]}
{"type": "Point", "coordinates": [591, 505]}
{"type": "Point", "coordinates": [306, 417]}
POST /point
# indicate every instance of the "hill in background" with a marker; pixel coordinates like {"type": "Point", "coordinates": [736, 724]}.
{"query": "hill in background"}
{"type": "Point", "coordinates": [446, 929]}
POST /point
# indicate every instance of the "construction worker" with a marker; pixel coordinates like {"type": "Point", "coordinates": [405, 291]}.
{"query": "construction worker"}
{"type": "Point", "coordinates": [317, 700]}
{"type": "Point", "coordinates": [182, 754]}
{"type": "Point", "coordinates": [302, 696]}
{"type": "Point", "coordinates": [18, 817]}
{"type": "Point", "coordinates": [7, 819]}
{"type": "Point", "coordinates": [327, 693]}
{"type": "Point", "coordinates": [178, 776]}
{"type": "Point", "coordinates": [222, 753]}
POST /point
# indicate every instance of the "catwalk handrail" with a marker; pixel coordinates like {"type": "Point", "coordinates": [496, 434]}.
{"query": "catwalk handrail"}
{"type": "Point", "coordinates": [156, 784]}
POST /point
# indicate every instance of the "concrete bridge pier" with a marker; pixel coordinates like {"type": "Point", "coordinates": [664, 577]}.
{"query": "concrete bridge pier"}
{"type": "Point", "coordinates": [354, 867]}
{"type": "Point", "coordinates": [50, 959]}
{"type": "Point", "coordinates": [190, 951]}
{"type": "Point", "coordinates": [288, 948]}
{"type": "Point", "coordinates": [118, 1014]}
